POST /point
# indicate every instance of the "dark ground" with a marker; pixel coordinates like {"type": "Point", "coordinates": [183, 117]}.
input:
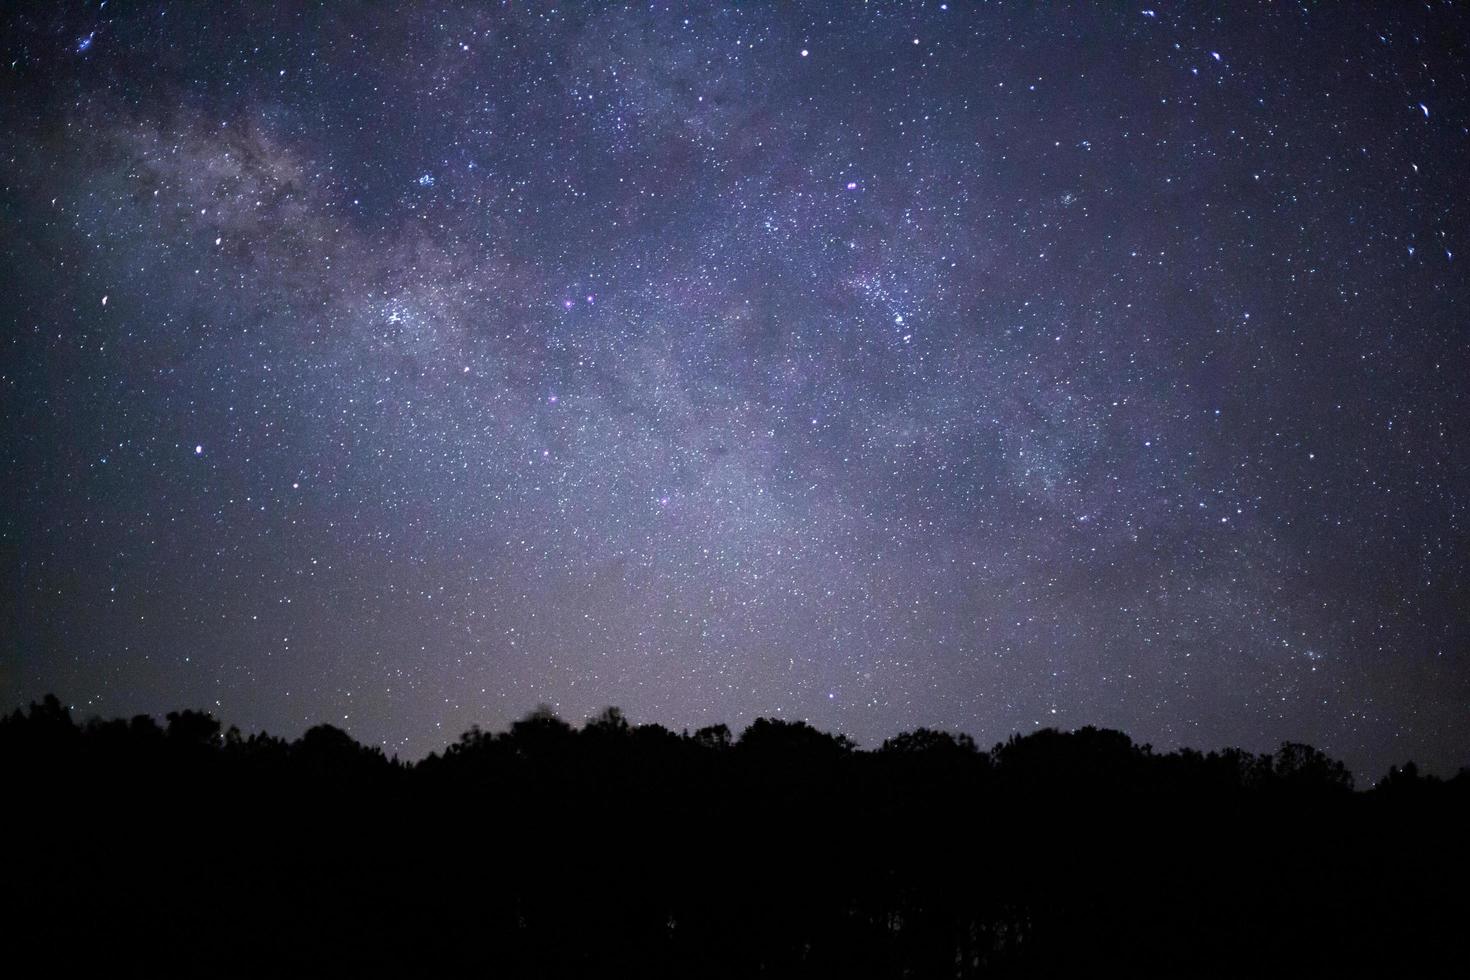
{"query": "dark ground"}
{"type": "Point", "coordinates": [615, 850]}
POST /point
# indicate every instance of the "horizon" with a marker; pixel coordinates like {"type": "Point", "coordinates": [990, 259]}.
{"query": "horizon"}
{"type": "Point", "coordinates": [1362, 781]}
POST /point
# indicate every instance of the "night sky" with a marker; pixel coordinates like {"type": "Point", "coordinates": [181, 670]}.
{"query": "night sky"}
{"type": "Point", "coordinates": [403, 366]}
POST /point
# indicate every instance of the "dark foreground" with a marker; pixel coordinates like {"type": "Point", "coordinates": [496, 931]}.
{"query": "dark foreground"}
{"type": "Point", "coordinates": [549, 851]}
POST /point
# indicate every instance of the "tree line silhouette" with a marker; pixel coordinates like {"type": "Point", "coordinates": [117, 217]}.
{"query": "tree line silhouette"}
{"type": "Point", "coordinates": [617, 849]}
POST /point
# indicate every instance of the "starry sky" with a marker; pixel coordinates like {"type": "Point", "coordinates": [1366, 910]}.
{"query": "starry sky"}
{"type": "Point", "coordinates": [968, 365]}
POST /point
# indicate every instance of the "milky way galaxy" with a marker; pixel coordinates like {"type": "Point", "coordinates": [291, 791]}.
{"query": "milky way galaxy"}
{"type": "Point", "coordinates": [404, 366]}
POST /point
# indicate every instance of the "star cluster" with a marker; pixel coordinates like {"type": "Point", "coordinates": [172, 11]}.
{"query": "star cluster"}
{"type": "Point", "coordinates": [889, 364]}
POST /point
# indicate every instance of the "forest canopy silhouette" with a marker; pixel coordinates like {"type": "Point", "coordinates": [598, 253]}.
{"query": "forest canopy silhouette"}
{"type": "Point", "coordinates": [552, 850]}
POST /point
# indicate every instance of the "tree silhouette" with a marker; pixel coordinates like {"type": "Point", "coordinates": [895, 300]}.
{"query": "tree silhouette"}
{"type": "Point", "coordinates": [194, 729]}
{"type": "Point", "coordinates": [715, 737]}
{"type": "Point", "coordinates": [1304, 768]}
{"type": "Point", "coordinates": [929, 741]}
{"type": "Point", "coordinates": [624, 849]}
